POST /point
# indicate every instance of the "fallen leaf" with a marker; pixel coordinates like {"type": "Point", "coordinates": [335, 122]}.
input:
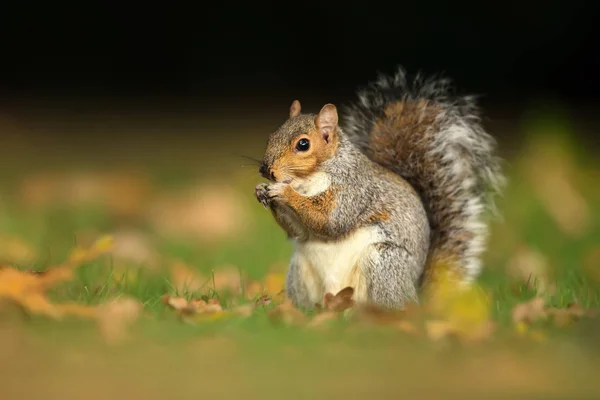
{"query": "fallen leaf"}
{"type": "Point", "coordinates": [213, 306]}
{"type": "Point", "coordinates": [530, 311]}
{"type": "Point", "coordinates": [565, 316]}
{"type": "Point", "coordinates": [254, 290]}
{"type": "Point", "coordinates": [227, 279]}
{"type": "Point", "coordinates": [28, 290]}
{"type": "Point", "coordinates": [322, 319]}
{"type": "Point", "coordinates": [176, 303]}
{"type": "Point", "coordinates": [287, 314]}
{"type": "Point", "coordinates": [464, 307]}
{"type": "Point", "coordinates": [341, 301]}
{"type": "Point", "coordinates": [274, 283]}
{"type": "Point", "coordinates": [263, 300]}
{"type": "Point", "coordinates": [185, 279]}
{"type": "Point", "coordinates": [403, 319]}
{"type": "Point", "coordinates": [196, 310]}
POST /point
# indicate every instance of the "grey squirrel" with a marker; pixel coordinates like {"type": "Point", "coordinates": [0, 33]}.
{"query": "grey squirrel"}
{"type": "Point", "coordinates": [378, 201]}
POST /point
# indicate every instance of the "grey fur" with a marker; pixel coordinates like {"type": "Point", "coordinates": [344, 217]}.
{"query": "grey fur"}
{"type": "Point", "coordinates": [394, 266]}
{"type": "Point", "coordinates": [457, 173]}
{"type": "Point", "coordinates": [446, 202]}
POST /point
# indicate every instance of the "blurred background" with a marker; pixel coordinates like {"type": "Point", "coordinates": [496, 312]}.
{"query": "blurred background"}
{"type": "Point", "coordinates": [136, 119]}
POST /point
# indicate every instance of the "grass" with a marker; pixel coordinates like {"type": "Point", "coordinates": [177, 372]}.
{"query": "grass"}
{"type": "Point", "coordinates": [255, 357]}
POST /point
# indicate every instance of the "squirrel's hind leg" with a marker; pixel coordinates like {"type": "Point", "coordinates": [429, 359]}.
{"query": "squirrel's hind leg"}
{"type": "Point", "coordinates": [302, 286]}
{"type": "Point", "coordinates": [392, 275]}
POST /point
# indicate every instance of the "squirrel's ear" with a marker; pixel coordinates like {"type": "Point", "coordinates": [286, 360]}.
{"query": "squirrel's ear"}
{"type": "Point", "coordinates": [295, 109]}
{"type": "Point", "coordinates": [327, 121]}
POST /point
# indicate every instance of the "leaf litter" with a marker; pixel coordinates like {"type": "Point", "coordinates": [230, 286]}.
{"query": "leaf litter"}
{"type": "Point", "coordinates": [448, 311]}
{"type": "Point", "coordinates": [29, 291]}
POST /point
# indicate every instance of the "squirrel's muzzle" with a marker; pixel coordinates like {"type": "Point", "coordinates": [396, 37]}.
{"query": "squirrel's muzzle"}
{"type": "Point", "coordinates": [265, 172]}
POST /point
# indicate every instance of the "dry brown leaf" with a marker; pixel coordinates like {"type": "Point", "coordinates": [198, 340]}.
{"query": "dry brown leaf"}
{"type": "Point", "coordinates": [341, 301]}
{"type": "Point", "coordinates": [198, 304]}
{"type": "Point", "coordinates": [403, 319]}
{"type": "Point", "coordinates": [536, 309]}
{"type": "Point", "coordinates": [176, 303]}
{"type": "Point", "coordinates": [227, 279]}
{"type": "Point", "coordinates": [565, 316]}
{"type": "Point", "coordinates": [254, 290]}
{"type": "Point", "coordinates": [264, 300]}
{"type": "Point", "coordinates": [213, 306]}
{"type": "Point", "coordinates": [188, 308]}
{"type": "Point", "coordinates": [530, 311]}
{"type": "Point", "coordinates": [183, 306]}
{"type": "Point", "coordinates": [115, 317]}
{"type": "Point", "coordinates": [184, 278]}
{"type": "Point", "coordinates": [321, 320]}
{"type": "Point", "coordinates": [273, 285]}
{"type": "Point", "coordinates": [287, 314]}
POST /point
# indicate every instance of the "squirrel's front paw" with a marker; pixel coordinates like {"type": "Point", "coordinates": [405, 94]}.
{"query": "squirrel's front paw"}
{"type": "Point", "coordinates": [275, 190]}
{"type": "Point", "coordinates": [262, 194]}
{"type": "Point", "coordinates": [266, 193]}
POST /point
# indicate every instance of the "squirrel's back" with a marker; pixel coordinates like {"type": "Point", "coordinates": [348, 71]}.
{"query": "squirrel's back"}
{"type": "Point", "coordinates": [434, 140]}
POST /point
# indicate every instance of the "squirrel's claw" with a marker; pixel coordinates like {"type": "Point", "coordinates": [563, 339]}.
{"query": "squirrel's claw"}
{"type": "Point", "coordinates": [262, 195]}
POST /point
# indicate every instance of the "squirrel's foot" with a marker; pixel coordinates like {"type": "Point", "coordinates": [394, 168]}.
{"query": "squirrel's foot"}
{"type": "Point", "coordinates": [267, 193]}
{"type": "Point", "coordinates": [262, 194]}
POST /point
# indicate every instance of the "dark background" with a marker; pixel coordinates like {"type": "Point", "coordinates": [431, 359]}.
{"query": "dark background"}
{"type": "Point", "coordinates": [230, 57]}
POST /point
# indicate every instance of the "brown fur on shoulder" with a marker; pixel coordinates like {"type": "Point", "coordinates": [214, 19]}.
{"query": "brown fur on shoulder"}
{"type": "Point", "coordinates": [316, 210]}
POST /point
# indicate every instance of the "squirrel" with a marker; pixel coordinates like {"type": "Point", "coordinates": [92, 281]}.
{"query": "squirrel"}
{"type": "Point", "coordinates": [378, 200]}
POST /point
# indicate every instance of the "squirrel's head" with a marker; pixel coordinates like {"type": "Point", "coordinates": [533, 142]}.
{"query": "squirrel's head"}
{"type": "Point", "coordinates": [299, 147]}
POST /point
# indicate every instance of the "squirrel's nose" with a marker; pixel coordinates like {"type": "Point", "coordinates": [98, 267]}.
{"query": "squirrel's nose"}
{"type": "Point", "coordinates": [264, 171]}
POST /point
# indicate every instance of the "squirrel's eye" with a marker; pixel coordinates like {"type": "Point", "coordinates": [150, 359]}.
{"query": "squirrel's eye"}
{"type": "Point", "coordinates": [303, 144]}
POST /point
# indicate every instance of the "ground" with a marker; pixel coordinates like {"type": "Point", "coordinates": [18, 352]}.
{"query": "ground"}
{"type": "Point", "coordinates": [172, 288]}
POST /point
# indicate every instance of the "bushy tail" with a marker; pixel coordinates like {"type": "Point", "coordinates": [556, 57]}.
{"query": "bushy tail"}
{"type": "Point", "coordinates": [434, 140]}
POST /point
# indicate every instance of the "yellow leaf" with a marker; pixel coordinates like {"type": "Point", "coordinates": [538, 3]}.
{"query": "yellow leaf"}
{"type": "Point", "coordinates": [521, 328]}
{"type": "Point", "coordinates": [28, 289]}
{"type": "Point", "coordinates": [274, 283]}
{"type": "Point", "coordinates": [466, 306]}
{"type": "Point", "coordinates": [103, 244]}
{"type": "Point", "coordinates": [77, 255]}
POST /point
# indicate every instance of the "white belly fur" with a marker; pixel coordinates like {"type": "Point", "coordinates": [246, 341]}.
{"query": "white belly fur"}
{"type": "Point", "coordinates": [328, 267]}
